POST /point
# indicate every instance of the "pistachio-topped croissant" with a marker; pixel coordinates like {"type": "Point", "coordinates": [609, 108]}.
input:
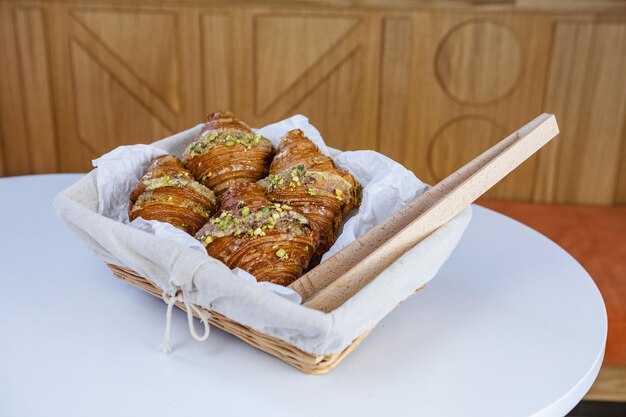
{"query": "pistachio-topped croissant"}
{"type": "Point", "coordinates": [273, 242]}
{"type": "Point", "coordinates": [169, 193]}
{"type": "Point", "coordinates": [226, 152]}
{"type": "Point", "coordinates": [301, 176]}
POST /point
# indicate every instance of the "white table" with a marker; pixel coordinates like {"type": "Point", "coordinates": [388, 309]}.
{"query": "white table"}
{"type": "Point", "coordinates": [511, 326]}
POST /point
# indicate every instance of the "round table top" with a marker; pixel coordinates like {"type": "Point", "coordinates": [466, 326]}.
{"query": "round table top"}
{"type": "Point", "coordinates": [511, 326]}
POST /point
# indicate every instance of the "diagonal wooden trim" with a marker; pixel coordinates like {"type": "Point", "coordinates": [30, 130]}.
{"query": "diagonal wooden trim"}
{"type": "Point", "coordinates": [75, 42]}
{"type": "Point", "coordinates": [125, 77]}
{"type": "Point", "coordinates": [321, 70]}
{"type": "Point", "coordinates": [74, 13]}
{"type": "Point", "coordinates": [322, 80]}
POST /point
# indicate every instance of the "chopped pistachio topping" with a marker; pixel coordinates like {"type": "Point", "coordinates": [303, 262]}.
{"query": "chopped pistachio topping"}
{"type": "Point", "coordinates": [338, 194]}
{"type": "Point", "coordinates": [228, 137]}
{"type": "Point", "coordinates": [179, 180]}
{"type": "Point", "coordinates": [281, 253]}
{"type": "Point", "coordinates": [148, 197]}
{"type": "Point", "coordinates": [246, 223]}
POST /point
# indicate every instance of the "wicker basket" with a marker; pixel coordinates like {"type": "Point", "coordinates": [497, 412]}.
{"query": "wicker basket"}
{"type": "Point", "coordinates": [303, 361]}
{"type": "Point", "coordinates": [408, 228]}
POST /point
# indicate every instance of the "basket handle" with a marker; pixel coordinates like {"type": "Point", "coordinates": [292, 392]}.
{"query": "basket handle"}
{"type": "Point", "coordinates": [345, 273]}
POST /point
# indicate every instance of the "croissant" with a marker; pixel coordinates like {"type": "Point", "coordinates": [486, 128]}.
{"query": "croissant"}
{"type": "Point", "coordinates": [302, 177]}
{"type": "Point", "coordinates": [273, 242]}
{"type": "Point", "coordinates": [227, 151]}
{"type": "Point", "coordinates": [168, 193]}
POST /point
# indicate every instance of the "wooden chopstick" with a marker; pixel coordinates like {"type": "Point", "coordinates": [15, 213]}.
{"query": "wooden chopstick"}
{"type": "Point", "coordinates": [350, 269]}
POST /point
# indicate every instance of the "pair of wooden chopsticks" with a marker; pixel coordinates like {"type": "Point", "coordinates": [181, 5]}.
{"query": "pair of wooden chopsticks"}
{"type": "Point", "coordinates": [337, 279]}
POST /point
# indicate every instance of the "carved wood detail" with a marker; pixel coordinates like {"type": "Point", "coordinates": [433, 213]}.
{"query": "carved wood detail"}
{"type": "Point", "coordinates": [429, 87]}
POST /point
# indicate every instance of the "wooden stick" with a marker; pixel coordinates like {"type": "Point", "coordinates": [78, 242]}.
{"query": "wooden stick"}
{"type": "Point", "coordinates": [344, 274]}
{"type": "Point", "coordinates": [327, 272]}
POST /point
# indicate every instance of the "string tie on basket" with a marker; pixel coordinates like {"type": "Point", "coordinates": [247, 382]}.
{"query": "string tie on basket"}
{"type": "Point", "coordinates": [190, 308]}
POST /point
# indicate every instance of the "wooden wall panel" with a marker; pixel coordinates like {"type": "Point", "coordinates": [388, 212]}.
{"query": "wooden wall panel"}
{"type": "Point", "coordinates": [132, 78]}
{"type": "Point", "coordinates": [107, 113]}
{"type": "Point", "coordinates": [620, 191]}
{"type": "Point", "coordinates": [111, 97]}
{"type": "Point", "coordinates": [145, 42]}
{"type": "Point", "coordinates": [36, 91]}
{"type": "Point", "coordinates": [216, 60]}
{"type": "Point", "coordinates": [500, 89]}
{"type": "Point", "coordinates": [343, 103]}
{"type": "Point", "coordinates": [12, 112]}
{"type": "Point", "coordinates": [396, 64]}
{"type": "Point", "coordinates": [2, 169]}
{"type": "Point", "coordinates": [279, 58]}
{"type": "Point", "coordinates": [335, 86]}
{"type": "Point", "coordinates": [73, 156]}
{"type": "Point", "coordinates": [587, 90]}
{"type": "Point", "coordinates": [29, 123]}
{"type": "Point", "coordinates": [431, 86]}
{"type": "Point", "coordinates": [341, 95]}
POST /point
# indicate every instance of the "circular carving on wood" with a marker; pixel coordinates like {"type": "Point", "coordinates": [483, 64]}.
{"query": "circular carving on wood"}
{"type": "Point", "coordinates": [460, 140]}
{"type": "Point", "coordinates": [479, 62]}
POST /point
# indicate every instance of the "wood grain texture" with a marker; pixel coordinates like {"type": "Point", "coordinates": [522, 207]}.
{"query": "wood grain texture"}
{"type": "Point", "coordinates": [188, 48]}
{"type": "Point", "coordinates": [216, 59]}
{"type": "Point", "coordinates": [144, 41]}
{"type": "Point", "coordinates": [450, 123]}
{"type": "Point", "coordinates": [620, 191]}
{"type": "Point", "coordinates": [479, 61]}
{"type": "Point", "coordinates": [348, 271]}
{"type": "Point", "coordinates": [280, 60]}
{"type": "Point", "coordinates": [36, 91]}
{"type": "Point", "coordinates": [428, 84]}
{"type": "Point", "coordinates": [27, 113]}
{"type": "Point", "coordinates": [609, 386]}
{"type": "Point", "coordinates": [395, 76]}
{"type": "Point", "coordinates": [2, 169]}
{"type": "Point", "coordinates": [124, 72]}
{"type": "Point", "coordinates": [587, 86]}
{"type": "Point", "coordinates": [73, 155]}
{"type": "Point", "coordinates": [11, 109]}
{"type": "Point", "coordinates": [107, 113]}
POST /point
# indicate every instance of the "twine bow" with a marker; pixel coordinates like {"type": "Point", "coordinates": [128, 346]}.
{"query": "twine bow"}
{"type": "Point", "coordinates": [171, 300]}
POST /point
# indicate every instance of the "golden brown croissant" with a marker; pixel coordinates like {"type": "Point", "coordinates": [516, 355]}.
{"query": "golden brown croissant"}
{"type": "Point", "coordinates": [273, 242]}
{"type": "Point", "coordinates": [302, 177]}
{"type": "Point", "coordinates": [170, 194]}
{"type": "Point", "coordinates": [226, 152]}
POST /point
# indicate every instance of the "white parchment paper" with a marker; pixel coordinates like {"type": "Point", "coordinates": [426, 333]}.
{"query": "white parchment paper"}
{"type": "Point", "coordinates": [387, 186]}
{"type": "Point", "coordinates": [95, 207]}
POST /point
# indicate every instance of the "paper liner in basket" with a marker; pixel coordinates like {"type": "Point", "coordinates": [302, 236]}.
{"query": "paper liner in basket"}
{"type": "Point", "coordinates": [92, 208]}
